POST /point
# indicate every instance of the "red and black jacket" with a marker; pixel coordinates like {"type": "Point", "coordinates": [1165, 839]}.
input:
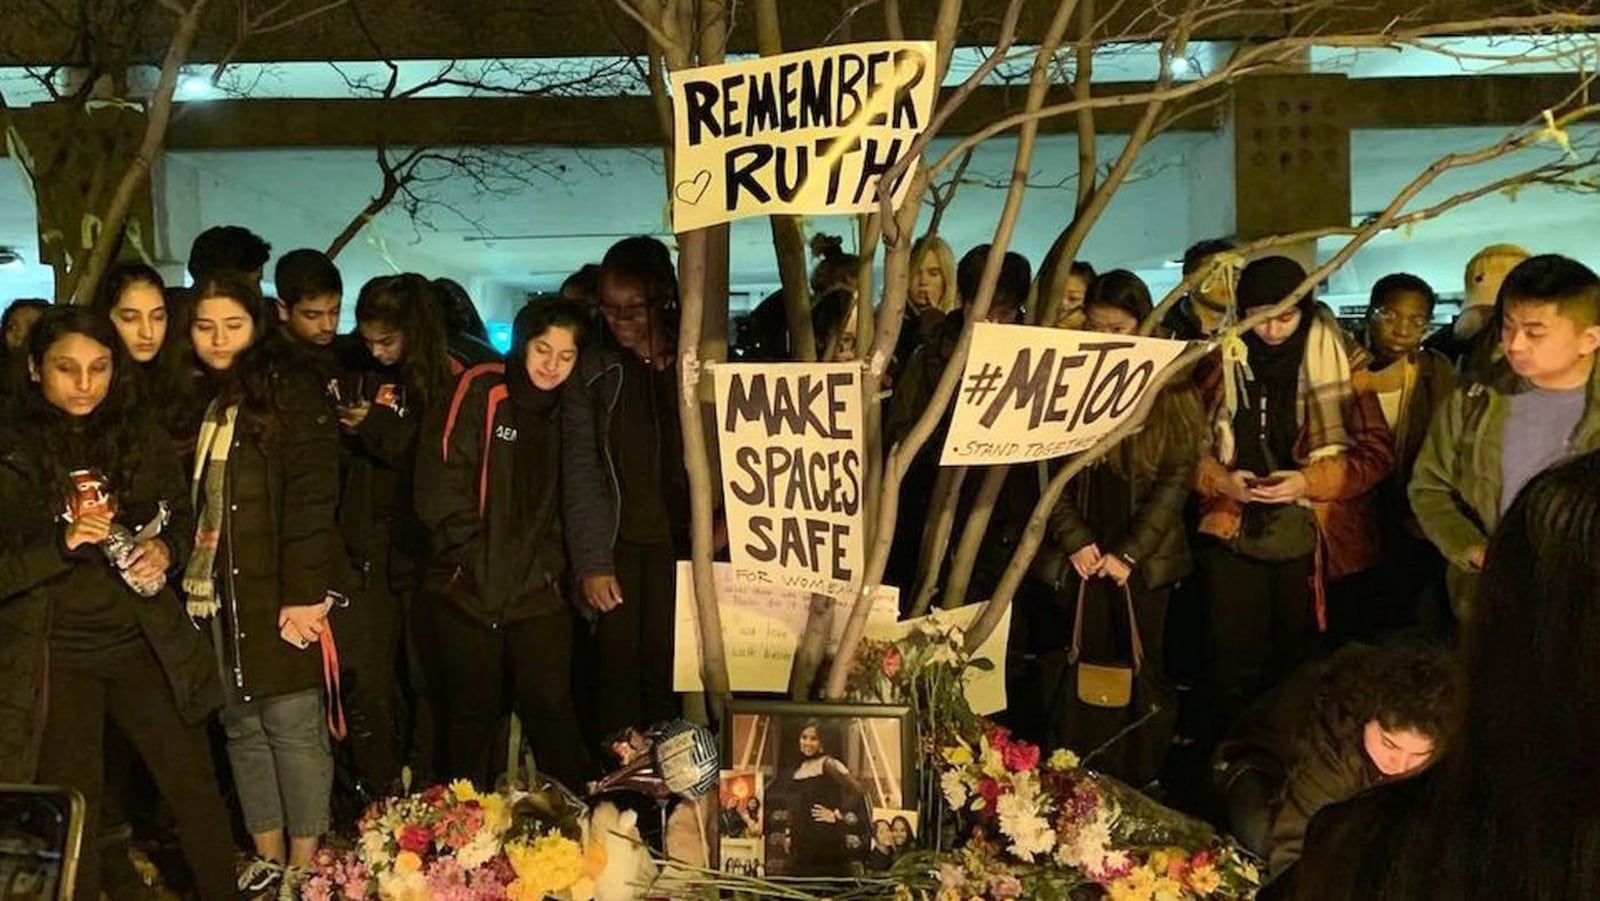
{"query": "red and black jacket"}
{"type": "Point", "coordinates": [488, 490]}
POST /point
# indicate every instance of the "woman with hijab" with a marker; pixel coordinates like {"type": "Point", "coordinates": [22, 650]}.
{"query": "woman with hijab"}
{"type": "Point", "coordinates": [1298, 445]}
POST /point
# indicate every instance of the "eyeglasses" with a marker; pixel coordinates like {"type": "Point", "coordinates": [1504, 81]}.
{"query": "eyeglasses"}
{"type": "Point", "coordinates": [1392, 318]}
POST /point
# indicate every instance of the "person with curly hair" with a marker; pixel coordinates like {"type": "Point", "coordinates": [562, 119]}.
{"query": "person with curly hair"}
{"type": "Point", "coordinates": [1364, 717]}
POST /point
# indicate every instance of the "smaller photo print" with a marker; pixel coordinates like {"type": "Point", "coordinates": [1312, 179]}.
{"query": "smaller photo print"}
{"type": "Point", "coordinates": [741, 823]}
{"type": "Point", "coordinates": [743, 857]}
{"type": "Point", "coordinates": [894, 832]}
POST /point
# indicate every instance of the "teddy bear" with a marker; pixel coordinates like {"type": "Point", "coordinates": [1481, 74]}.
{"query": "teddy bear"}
{"type": "Point", "coordinates": [628, 868]}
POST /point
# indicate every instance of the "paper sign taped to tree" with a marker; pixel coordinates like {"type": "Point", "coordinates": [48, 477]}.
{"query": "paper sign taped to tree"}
{"type": "Point", "coordinates": [761, 629]}
{"type": "Point", "coordinates": [808, 132]}
{"type": "Point", "coordinates": [792, 472]}
{"type": "Point", "coordinates": [1031, 393]}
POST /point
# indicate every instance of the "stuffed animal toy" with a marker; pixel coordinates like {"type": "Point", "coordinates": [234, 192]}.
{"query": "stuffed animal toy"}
{"type": "Point", "coordinates": [628, 867]}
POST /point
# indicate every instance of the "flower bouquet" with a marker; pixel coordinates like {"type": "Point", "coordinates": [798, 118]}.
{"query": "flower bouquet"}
{"type": "Point", "coordinates": [453, 843]}
{"type": "Point", "coordinates": [1046, 828]}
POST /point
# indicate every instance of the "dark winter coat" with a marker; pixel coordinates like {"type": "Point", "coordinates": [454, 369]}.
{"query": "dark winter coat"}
{"type": "Point", "coordinates": [488, 489]}
{"type": "Point", "coordinates": [377, 513]}
{"type": "Point", "coordinates": [1315, 740]}
{"type": "Point", "coordinates": [35, 565]}
{"type": "Point", "coordinates": [1154, 539]}
{"type": "Point", "coordinates": [280, 543]}
{"type": "Point", "coordinates": [592, 492]}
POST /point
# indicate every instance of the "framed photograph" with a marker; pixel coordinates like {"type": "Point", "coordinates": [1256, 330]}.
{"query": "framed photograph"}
{"type": "Point", "coordinates": [823, 770]}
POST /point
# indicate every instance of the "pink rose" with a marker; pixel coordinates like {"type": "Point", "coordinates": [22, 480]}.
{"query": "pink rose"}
{"type": "Point", "coordinates": [892, 662]}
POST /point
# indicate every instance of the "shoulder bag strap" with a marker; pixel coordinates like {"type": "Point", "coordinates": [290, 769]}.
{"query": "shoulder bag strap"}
{"type": "Point", "coordinates": [1076, 649]}
{"type": "Point", "coordinates": [1133, 631]}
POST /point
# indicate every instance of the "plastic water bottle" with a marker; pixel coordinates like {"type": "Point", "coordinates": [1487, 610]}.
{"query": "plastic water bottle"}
{"type": "Point", "coordinates": [119, 547]}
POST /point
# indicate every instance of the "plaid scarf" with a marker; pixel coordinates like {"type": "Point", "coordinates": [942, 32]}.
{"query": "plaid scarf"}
{"type": "Point", "coordinates": [1324, 391]}
{"type": "Point", "coordinates": [211, 472]}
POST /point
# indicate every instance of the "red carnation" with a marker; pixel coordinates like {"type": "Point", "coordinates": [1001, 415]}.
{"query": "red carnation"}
{"type": "Point", "coordinates": [415, 839]}
{"type": "Point", "coordinates": [891, 662]}
{"type": "Point", "coordinates": [1020, 756]}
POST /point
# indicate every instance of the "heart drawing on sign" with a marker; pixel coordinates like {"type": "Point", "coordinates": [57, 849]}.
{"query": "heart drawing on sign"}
{"type": "Point", "coordinates": [692, 190]}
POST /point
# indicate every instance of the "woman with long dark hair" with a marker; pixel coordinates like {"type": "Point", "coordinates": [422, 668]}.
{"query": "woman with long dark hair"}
{"type": "Point", "coordinates": [1118, 543]}
{"type": "Point", "coordinates": [161, 381]}
{"type": "Point", "coordinates": [267, 567]}
{"type": "Point", "coordinates": [382, 403]}
{"type": "Point", "coordinates": [1512, 809]}
{"type": "Point", "coordinates": [97, 517]}
{"type": "Point", "coordinates": [489, 488]}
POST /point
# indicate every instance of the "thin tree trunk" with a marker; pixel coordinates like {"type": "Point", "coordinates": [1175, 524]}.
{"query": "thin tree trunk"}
{"type": "Point", "coordinates": [972, 534]}
{"type": "Point", "coordinates": [813, 648]}
{"type": "Point", "coordinates": [936, 537]}
{"type": "Point", "coordinates": [788, 239]}
{"type": "Point", "coordinates": [850, 643]}
{"type": "Point", "coordinates": [87, 279]}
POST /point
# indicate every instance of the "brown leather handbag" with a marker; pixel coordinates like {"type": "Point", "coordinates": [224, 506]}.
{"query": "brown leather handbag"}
{"type": "Point", "coordinates": [1099, 685]}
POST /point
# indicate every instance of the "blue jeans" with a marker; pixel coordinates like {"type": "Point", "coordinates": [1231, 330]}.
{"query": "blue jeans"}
{"type": "Point", "coordinates": [282, 762]}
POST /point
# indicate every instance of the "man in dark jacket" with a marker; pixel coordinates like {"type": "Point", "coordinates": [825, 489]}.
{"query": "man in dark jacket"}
{"type": "Point", "coordinates": [489, 489]}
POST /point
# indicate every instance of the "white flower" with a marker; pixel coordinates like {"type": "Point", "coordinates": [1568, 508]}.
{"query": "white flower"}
{"type": "Point", "coordinates": [955, 790]}
{"type": "Point", "coordinates": [375, 852]}
{"type": "Point", "coordinates": [483, 847]}
{"type": "Point", "coordinates": [1030, 833]}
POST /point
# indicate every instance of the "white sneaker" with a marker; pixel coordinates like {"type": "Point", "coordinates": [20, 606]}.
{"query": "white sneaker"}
{"type": "Point", "coordinates": [259, 877]}
{"type": "Point", "coordinates": [289, 885]}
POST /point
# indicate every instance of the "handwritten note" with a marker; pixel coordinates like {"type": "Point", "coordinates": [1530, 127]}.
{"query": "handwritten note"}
{"type": "Point", "coordinates": [761, 629]}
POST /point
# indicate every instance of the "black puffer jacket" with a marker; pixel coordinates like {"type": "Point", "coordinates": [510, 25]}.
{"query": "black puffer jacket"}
{"type": "Point", "coordinates": [280, 546]}
{"type": "Point", "coordinates": [1152, 508]}
{"type": "Point", "coordinates": [488, 489]}
{"type": "Point", "coordinates": [35, 565]}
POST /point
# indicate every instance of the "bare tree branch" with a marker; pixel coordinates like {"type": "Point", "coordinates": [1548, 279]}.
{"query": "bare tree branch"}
{"type": "Point", "coordinates": [1389, 218]}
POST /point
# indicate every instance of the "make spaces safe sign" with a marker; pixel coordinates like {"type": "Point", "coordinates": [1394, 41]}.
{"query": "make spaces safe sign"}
{"type": "Point", "coordinates": [800, 133]}
{"type": "Point", "coordinates": [1030, 393]}
{"type": "Point", "coordinates": [793, 474]}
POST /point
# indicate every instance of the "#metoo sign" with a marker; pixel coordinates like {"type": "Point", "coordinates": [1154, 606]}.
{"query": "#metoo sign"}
{"type": "Point", "coordinates": [1031, 393]}
{"type": "Point", "coordinates": [792, 473]}
{"type": "Point", "coordinates": [809, 132]}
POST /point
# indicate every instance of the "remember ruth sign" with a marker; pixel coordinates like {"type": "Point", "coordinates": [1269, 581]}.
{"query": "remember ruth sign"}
{"type": "Point", "coordinates": [1031, 393]}
{"type": "Point", "coordinates": [809, 132]}
{"type": "Point", "coordinates": [792, 473]}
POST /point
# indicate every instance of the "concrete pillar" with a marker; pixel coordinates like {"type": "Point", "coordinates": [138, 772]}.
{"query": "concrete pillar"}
{"type": "Point", "coordinates": [1291, 164]}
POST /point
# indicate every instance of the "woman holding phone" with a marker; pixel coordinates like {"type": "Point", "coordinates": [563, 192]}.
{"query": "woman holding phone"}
{"type": "Point", "coordinates": [1298, 448]}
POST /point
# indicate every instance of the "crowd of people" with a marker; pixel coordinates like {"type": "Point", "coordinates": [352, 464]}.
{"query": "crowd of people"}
{"type": "Point", "coordinates": [231, 526]}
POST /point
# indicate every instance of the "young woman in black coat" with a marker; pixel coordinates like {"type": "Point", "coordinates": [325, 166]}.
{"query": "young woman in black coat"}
{"type": "Point", "coordinates": [384, 397]}
{"type": "Point", "coordinates": [84, 637]}
{"type": "Point", "coordinates": [489, 488]}
{"type": "Point", "coordinates": [267, 567]}
{"type": "Point", "coordinates": [1118, 533]}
